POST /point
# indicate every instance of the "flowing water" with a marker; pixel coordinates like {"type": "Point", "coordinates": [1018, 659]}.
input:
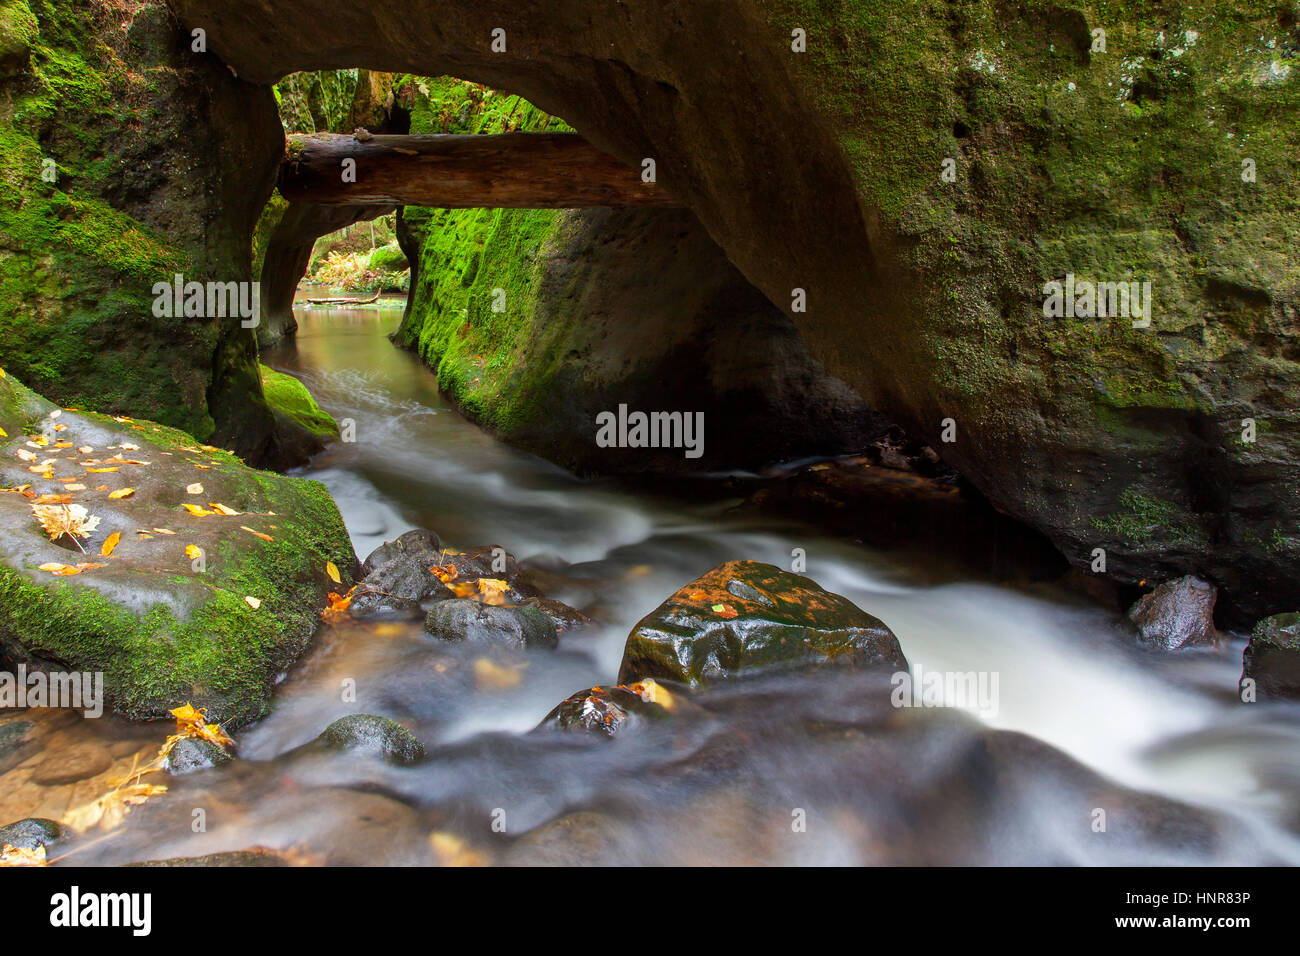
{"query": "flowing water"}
{"type": "Point", "coordinates": [1164, 764]}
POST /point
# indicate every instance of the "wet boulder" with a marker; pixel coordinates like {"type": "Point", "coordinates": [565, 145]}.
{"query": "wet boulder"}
{"type": "Point", "coordinates": [565, 618]}
{"type": "Point", "coordinates": [373, 736]}
{"type": "Point", "coordinates": [1272, 658]}
{"type": "Point", "coordinates": [1177, 614]}
{"type": "Point", "coordinates": [517, 626]}
{"type": "Point", "coordinates": [745, 615]}
{"type": "Point", "coordinates": [193, 753]}
{"type": "Point", "coordinates": [31, 833]}
{"type": "Point", "coordinates": [416, 541]}
{"type": "Point", "coordinates": [369, 603]}
{"type": "Point", "coordinates": [608, 711]}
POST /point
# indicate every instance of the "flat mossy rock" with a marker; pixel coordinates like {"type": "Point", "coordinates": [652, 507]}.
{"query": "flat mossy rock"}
{"type": "Point", "coordinates": [746, 615]}
{"type": "Point", "coordinates": [376, 736]}
{"type": "Point", "coordinates": [163, 627]}
{"type": "Point", "coordinates": [1272, 658]}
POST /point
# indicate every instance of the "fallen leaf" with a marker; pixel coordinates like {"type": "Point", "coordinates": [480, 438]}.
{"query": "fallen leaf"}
{"type": "Point", "coordinates": [100, 471]}
{"type": "Point", "coordinates": [333, 572]}
{"type": "Point", "coordinates": [72, 520]}
{"type": "Point", "coordinates": [725, 610]}
{"type": "Point", "coordinates": [253, 602]}
{"type": "Point", "coordinates": [194, 489]}
{"type": "Point", "coordinates": [223, 510]}
{"type": "Point", "coordinates": [53, 567]}
{"type": "Point", "coordinates": [197, 510]}
{"type": "Point", "coordinates": [193, 551]}
{"type": "Point", "coordinates": [26, 455]}
{"type": "Point", "coordinates": [121, 493]}
{"type": "Point", "coordinates": [110, 543]}
{"type": "Point", "coordinates": [489, 675]}
{"type": "Point", "coordinates": [264, 537]}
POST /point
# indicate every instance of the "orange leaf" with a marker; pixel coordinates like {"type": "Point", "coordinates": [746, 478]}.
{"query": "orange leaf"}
{"type": "Point", "coordinates": [110, 543]}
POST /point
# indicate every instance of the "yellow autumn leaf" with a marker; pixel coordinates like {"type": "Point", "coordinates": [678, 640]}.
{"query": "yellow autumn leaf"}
{"type": "Point", "coordinates": [193, 551]}
{"type": "Point", "coordinates": [253, 602]}
{"type": "Point", "coordinates": [121, 493]}
{"type": "Point", "coordinates": [72, 520]}
{"type": "Point", "coordinates": [223, 509]}
{"type": "Point", "coordinates": [110, 543]}
{"type": "Point", "coordinates": [53, 567]}
{"type": "Point", "coordinates": [264, 537]}
{"type": "Point", "coordinates": [197, 510]}
{"type": "Point", "coordinates": [100, 471]}
{"type": "Point", "coordinates": [333, 572]}
{"type": "Point", "coordinates": [194, 489]}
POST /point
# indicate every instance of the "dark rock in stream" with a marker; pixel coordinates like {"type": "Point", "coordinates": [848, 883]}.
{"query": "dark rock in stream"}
{"type": "Point", "coordinates": [518, 626]}
{"type": "Point", "coordinates": [408, 578]}
{"type": "Point", "coordinates": [374, 736]}
{"type": "Point", "coordinates": [193, 753]}
{"type": "Point", "coordinates": [1179, 613]}
{"type": "Point", "coordinates": [372, 604]}
{"type": "Point", "coordinates": [566, 619]}
{"type": "Point", "coordinates": [31, 833]}
{"type": "Point", "coordinates": [411, 543]}
{"type": "Point", "coordinates": [610, 710]}
{"type": "Point", "coordinates": [745, 615]}
{"type": "Point", "coordinates": [1272, 658]}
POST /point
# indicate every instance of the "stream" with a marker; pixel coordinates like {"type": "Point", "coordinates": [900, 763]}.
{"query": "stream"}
{"type": "Point", "coordinates": [789, 769]}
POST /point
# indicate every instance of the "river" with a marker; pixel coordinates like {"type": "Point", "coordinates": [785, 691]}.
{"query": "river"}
{"type": "Point", "coordinates": [796, 769]}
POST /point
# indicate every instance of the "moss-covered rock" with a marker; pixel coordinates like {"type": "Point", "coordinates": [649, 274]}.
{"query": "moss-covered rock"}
{"type": "Point", "coordinates": [1272, 658]}
{"type": "Point", "coordinates": [164, 623]}
{"type": "Point", "coordinates": [126, 158]}
{"type": "Point", "coordinates": [303, 427]}
{"type": "Point", "coordinates": [375, 736]}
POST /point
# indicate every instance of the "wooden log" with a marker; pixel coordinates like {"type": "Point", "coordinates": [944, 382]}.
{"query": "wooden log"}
{"type": "Point", "coordinates": [500, 171]}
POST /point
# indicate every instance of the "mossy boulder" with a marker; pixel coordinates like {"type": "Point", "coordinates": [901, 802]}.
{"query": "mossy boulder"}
{"type": "Point", "coordinates": [1272, 658]}
{"type": "Point", "coordinates": [303, 427]}
{"type": "Point", "coordinates": [127, 158]}
{"type": "Point", "coordinates": [745, 616]}
{"type": "Point", "coordinates": [164, 623]}
{"type": "Point", "coordinates": [18, 31]}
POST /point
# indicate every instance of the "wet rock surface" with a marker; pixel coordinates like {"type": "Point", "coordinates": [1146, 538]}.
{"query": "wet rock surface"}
{"type": "Point", "coordinates": [1177, 614]}
{"type": "Point", "coordinates": [519, 626]}
{"type": "Point", "coordinates": [1272, 657]}
{"type": "Point", "coordinates": [608, 711]}
{"type": "Point", "coordinates": [31, 833]}
{"type": "Point", "coordinates": [374, 736]}
{"type": "Point", "coordinates": [193, 753]}
{"type": "Point", "coordinates": [745, 615]}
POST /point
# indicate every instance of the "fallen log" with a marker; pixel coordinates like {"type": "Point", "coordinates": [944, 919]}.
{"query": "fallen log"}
{"type": "Point", "coordinates": [345, 300]}
{"type": "Point", "coordinates": [496, 171]}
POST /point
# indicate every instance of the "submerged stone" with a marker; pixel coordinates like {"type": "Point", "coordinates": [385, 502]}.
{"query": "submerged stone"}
{"type": "Point", "coordinates": [746, 615]}
{"type": "Point", "coordinates": [518, 626]}
{"type": "Point", "coordinates": [375, 736]}
{"type": "Point", "coordinates": [193, 753]}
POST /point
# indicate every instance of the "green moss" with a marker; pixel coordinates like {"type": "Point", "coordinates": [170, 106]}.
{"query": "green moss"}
{"type": "Point", "coordinates": [472, 260]}
{"type": "Point", "coordinates": [286, 394]}
{"type": "Point", "coordinates": [18, 28]}
{"type": "Point", "coordinates": [223, 654]}
{"type": "Point", "coordinates": [1144, 519]}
